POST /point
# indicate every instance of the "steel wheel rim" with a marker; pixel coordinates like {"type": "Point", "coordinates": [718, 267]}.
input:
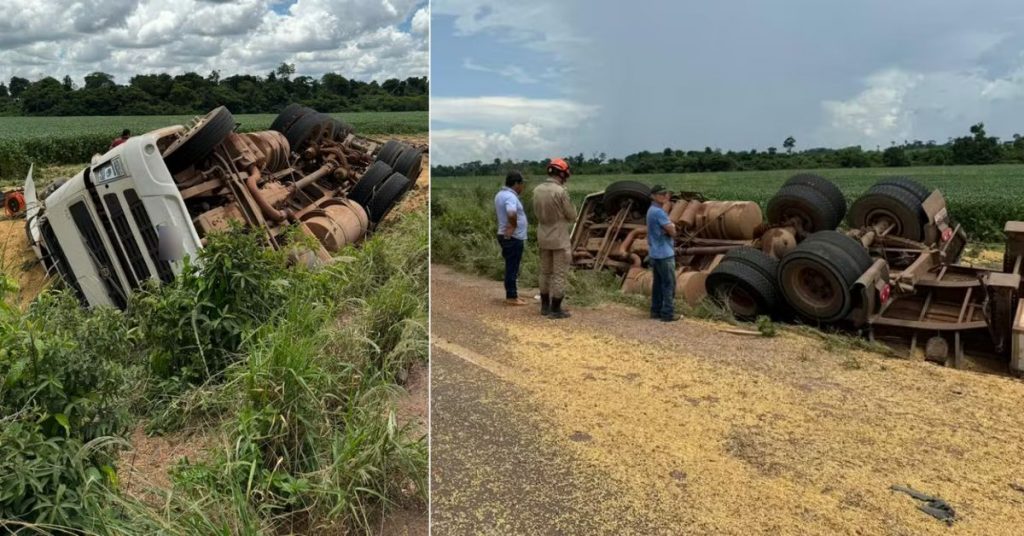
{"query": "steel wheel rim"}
{"type": "Point", "coordinates": [813, 289]}
{"type": "Point", "coordinates": [883, 215]}
{"type": "Point", "coordinates": [740, 302]}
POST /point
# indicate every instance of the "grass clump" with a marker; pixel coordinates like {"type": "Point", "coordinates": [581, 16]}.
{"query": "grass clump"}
{"type": "Point", "coordinates": [293, 371]}
{"type": "Point", "coordinates": [765, 326]}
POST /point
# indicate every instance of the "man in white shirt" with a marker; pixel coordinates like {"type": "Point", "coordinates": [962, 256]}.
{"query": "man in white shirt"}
{"type": "Point", "coordinates": [511, 232]}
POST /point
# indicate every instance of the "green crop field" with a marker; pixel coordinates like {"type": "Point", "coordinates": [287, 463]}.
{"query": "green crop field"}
{"type": "Point", "coordinates": [27, 127]}
{"type": "Point", "coordinates": [72, 140]}
{"type": "Point", "coordinates": [981, 198]}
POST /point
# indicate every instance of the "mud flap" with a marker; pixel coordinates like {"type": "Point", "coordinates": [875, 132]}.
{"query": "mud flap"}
{"type": "Point", "coordinates": [941, 231]}
{"type": "Point", "coordinates": [1000, 304]}
{"type": "Point", "coordinates": [874, 291]}
{"type": "Point", "coordinates": [1014, 247]}
{"type": "Point", "coordinates": [1017, 348]}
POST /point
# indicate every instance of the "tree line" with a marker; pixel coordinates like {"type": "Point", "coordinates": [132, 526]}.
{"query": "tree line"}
{"type": "Point", "coordinates": [191, 93]}
{"type": "Point", "coordinates": [976, 148]}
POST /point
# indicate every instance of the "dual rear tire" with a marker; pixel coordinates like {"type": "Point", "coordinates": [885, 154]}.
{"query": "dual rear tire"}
{"type": "Point", "coordinates": [745, 282]}
{"type": "Point", "coordinates": [379, 190]}
{"type": "Point", "coordinates": [810, 202]}
{"type": "Point", "coordinates": [302, 125]}
{"type": "Point", "coordinates": [815, 280]}
{"type": "Point", "coordinates": [402, 157]}
{"type": "Point", "coordinates": [817, 277]}
{"type": "Point", "coordinates": [895, 203]}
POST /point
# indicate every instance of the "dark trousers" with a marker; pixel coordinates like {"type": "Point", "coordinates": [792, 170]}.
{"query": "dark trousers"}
{"type": "Point", "coordinates": [663, 289]}
{"type": "Point", "coordinates": [512, 251]}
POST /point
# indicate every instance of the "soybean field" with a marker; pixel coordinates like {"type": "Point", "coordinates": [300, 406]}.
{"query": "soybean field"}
{"type": "Point", "coordinates": [73, 140]}
{"type": "Point", "coordinates": [981, 198]}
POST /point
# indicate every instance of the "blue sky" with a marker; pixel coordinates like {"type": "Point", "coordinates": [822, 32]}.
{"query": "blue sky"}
{"type": "Point", "coordinates": [281, 7]}
{"type": "Point", "coordinates": [450, 55]}
{"type": "Point", "coordinates": [545, 78]}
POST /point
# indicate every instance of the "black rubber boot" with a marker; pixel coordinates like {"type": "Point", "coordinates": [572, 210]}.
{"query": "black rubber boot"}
{"type": "Point", "coordinates": [556, 309]}
{"type": "Point", "coordinates": [545, 304]}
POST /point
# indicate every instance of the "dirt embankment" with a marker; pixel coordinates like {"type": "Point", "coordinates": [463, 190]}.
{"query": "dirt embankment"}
{"type": "Point", "coordinates": [685, 429]}
{"type": "Point", "coordinates": [20, 263]}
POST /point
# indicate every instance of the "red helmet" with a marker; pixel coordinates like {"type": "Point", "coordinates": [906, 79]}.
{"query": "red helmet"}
{"type": "Point", "coordinates": [559, 166]}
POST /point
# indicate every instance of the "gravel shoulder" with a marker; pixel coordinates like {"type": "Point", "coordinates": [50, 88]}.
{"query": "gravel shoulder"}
{"type": "Point", "coordinates": [688, 429]}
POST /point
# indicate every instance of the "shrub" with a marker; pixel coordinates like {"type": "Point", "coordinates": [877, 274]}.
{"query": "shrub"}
{"type": "Point", "coordinates": [194, 326]}
{"type": "Point", "coordinates": [63, 402]}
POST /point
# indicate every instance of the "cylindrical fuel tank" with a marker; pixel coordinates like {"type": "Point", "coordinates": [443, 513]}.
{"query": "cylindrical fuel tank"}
{"type": "Point", "coordinates": [689, 284]}
{"type": "Point", "coordinates": [338, 223]}
{"type": "Point", "coordinates": [730, 220]}
{"type": "Point", "coordinates": [677, 209]}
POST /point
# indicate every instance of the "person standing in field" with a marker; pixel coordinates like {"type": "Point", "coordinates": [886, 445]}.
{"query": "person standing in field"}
{"type": "Point", "coordinates": [125, 134]}
{"type": "Point", "coordinates": [660, 232]}
{"type": "Point", "coordinates": [554, 212]}
{"type": "Point", "coordinates": [511, 232]}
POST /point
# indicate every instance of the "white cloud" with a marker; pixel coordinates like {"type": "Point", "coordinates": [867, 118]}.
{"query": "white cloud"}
{"type": "Point", "coordinates": [357, 38]}
{"type": "Point", "coordinates": [538, 24]}
{"type": "Point", "coordinates": [495, 111]}
{"type": "Point", "coordinates": [464, 129]}
{"type": "Point", "coordinates": [421, 21]}
{"type": "Point", "coordinates": [901, 105]}
{"type": "Point", "coordinates": [878, 112]}
{"type": "Point", "coordinates": [512, 72]}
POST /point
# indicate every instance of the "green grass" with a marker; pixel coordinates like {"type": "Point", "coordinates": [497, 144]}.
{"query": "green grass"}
{"type": "Point", "coordinates": [981, 198]}
{"type": "Point", "coordinates": [29, 127]}
{"type": "Point", "coordinates": [292, 372]}
{"type": "Point", "coordinates": [67, 140]}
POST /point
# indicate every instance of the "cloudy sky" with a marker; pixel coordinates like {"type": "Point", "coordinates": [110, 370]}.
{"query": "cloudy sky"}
{"type": "Point", "coordinates": [361, 39]}
{"type": "Point", "coordinates": [549, 78]}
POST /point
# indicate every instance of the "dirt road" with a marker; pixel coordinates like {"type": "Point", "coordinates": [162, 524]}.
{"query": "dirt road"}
{"type": "Point", "coordinates": [611, 423]}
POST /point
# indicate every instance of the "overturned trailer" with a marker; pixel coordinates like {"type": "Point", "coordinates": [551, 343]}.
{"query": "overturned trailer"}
{"type": "Point", "coordinates": [137, 210]}
{"type": "Point", "coordinates": [892, 274]}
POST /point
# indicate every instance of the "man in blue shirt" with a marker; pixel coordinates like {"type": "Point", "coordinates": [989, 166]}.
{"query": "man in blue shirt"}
{"type": "Point", "coordinates": [660, 232]}
{"type": "Point", "coordinates": [511, 232]}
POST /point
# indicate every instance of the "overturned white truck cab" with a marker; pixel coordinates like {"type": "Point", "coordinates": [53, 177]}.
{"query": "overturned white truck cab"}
{"type": "Point", "coordinates": [134, 212]}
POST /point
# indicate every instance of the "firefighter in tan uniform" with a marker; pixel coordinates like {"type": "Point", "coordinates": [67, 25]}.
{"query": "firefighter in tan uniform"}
{"type": "Point", "coordinates": [554, 212]}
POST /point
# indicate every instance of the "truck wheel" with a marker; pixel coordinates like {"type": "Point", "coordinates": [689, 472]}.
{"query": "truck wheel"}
{"type": "Point", "coordinates": [341, 129]}
{"type": "Point", "coordinates": [362, 192]}
{"type": "Point", "coordinates": [889, 204]}
{"type": "Point", "coordinates": [816, 280]}
{"type": "Point", "coordinates": [196, 144]}
{"type": "Point", "coordinates": [288, 116]}
{"type": "Point", "coordinates": [618, 192]}
{"type": "Point", "coordinates": [52, 187]}
{"type": "Point", "coordinates": [385, 198]}
{"type": "Point", "coordinates": [743, 289]}
{"type": "Point", "coordinates": [850, 247]}
{"type": "Point", "coordinates": [409, 163]}
{"type": "Point", "coordinates": [804, 204]}
{"type": "Point", "coordinates": [756, 259]}
{"type": "Point", "coordinates": [390, 151]}
{"type": "Point", "coordinates": [308, 129]}
{"type": "Point", "coordinates": [825, 187]}
{"type": "Point", "coordinates": [918, 190]}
